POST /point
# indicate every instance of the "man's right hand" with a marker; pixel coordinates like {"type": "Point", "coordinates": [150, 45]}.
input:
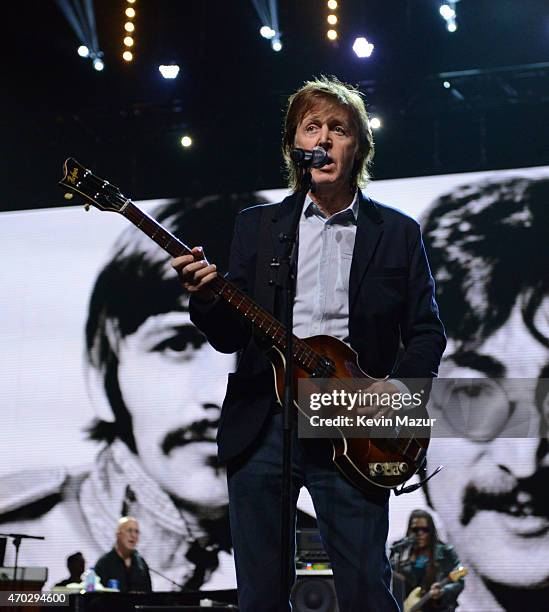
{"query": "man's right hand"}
{"type": "Point", "coordinates": [195, 274]}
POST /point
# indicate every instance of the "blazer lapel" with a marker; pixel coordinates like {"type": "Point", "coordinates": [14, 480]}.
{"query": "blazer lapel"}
{"type": "Point", "coordinates": [281, 223]}
{"type": "Point", "coordinates": [368, 233]}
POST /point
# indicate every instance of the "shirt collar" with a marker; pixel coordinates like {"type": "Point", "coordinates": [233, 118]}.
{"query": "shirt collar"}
{"type": "Point", "coordinates": [350, 213]}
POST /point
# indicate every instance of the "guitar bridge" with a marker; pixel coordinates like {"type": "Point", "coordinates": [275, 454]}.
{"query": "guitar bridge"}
{"type": "Point", "coordinates": [388, 468]}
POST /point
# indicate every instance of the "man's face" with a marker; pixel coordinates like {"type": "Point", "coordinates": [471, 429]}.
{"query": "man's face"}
{"type": "Point", "coordinates": [493, 497]}
{"type": "Point", "coordinates": [127, 536]}
{"type": "Point", "coordinates": [173, 383]}
{"type": "Point", "coordinates": [330, 126]}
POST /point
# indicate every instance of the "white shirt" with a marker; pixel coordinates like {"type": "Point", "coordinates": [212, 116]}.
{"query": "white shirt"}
{"type": "Point", "coordinates": [325, 253]}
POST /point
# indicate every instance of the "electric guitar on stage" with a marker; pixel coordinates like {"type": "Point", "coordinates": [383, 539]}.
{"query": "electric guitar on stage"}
{"type": "Point", "coordinates": [415, 601]}
{"type": "Point", "coordinates": [386, 463]}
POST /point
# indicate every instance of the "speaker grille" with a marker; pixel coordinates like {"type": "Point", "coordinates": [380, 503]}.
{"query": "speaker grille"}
{"type": "Point", "coordinates": [314, 594]}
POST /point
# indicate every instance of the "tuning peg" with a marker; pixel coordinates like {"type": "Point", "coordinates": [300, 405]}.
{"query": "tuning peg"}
{"type": "Point", "coordinates": [68, 196]}
{"type": "Point", "coordinates": [87, 206]}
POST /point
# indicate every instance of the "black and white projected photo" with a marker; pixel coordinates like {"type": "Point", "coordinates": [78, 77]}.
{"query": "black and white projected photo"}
{"type": "Point", "coordinates": [112, 397]}
{"type": "Point", "coordinates": [185, 184]}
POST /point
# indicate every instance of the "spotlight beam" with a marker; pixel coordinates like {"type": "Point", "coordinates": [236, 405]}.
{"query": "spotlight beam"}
{"type": "Point", "coordinates": [267, 11]}
{"type": "Point", "coordinates": [90, 13]}
{"type": "Point", "coordinates": [262, 12]}
{"type": "Point", "coordinates": [273, 9]}
{"type": "Point", "coordinates": [81, 18]}
{"type": "Point", "coordinates": [84, 21]}
{"type": "Point", "coordinates": [70, 16]}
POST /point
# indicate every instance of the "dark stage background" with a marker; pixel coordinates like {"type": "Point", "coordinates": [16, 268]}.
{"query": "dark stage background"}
{"type": "Point", "coordinates": [232, 87]}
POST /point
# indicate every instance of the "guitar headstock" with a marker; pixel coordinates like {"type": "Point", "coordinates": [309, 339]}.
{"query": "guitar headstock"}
{"type": "Point", "coordinates": [458, 573]}
{"type": "Point", "coordinates": [96, 191]}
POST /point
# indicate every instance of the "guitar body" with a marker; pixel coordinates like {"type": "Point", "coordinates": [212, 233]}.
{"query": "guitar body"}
{"type": "Point", "coordinates": [413, 599]}
{"type": "Point", "coordinates": [416, 601]}
{"type": "Point", "coordinates": [385, 463]}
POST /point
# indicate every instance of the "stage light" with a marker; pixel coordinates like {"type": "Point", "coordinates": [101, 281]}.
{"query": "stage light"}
{"type": "Point", "coordinates": [332, 20]}
{"type": "Point", "coordinates": [98, 64]}
{"type": "Point", "coordinates": [186, 141]}
{"type": "Point", "coordinates": [362, 47]}
{"type": "Point", "coordinates": [131, 1]}
{"type": "Point", "coordinates": [83, 24]}
{"type": "Point", "coordinates": [169, 71]}
{"type": "Point", "coordinates": [129, 27]}
{"type": "Point", "coordinates": [267, 12]}
{"type": "Point", "coordinates": [375, 123]}
{"type": "Point", "coordinates": [447, 12]}
{"type": "Point", "coordinates": [267, 32]}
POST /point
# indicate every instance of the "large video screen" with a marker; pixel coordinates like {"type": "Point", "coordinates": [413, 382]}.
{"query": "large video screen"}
{"type": "Point", "coordinates": [110, 397]}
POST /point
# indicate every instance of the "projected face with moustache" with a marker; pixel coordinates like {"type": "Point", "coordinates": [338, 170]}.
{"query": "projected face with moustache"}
{"type": "Point", "coordinates": [493, 499]}
{"type": "Point", "coordinates": [486, 249]}
{"type": "Point", "coordinates": [157, 382]}
{"type": "Point", "coordinates": [168, 365]}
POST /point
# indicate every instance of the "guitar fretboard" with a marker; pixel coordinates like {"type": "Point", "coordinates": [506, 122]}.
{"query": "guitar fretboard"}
{"type": "Point", "coordinates": [263, 321]}
{"type": "Point", "coordinates": [107, 197]}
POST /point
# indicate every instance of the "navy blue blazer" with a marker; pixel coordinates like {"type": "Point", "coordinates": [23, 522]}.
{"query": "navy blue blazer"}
{"type": "Point", "coordinates": [391, 303]}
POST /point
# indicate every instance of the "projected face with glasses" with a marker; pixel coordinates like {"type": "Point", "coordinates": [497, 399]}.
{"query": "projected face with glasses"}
{"type": "Point", "coordinates": [481, 409]}
{"type": "Point", "coordinates": [493, 498]}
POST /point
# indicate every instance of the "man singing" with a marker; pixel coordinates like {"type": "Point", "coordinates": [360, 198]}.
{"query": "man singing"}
{"type": "Point", "coordinates": [363, 277]}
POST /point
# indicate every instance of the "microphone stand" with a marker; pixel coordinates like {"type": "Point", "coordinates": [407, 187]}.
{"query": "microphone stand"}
{"type": "Point", "coordinates": [181, 587]}
{"type": "Point", "coordinates": [17, 537]}
{"type": "Point", "coordinates": [289, 260]}
{"type": "Point", "coordinates": [184, 589]}
{"type": "Point", "coordinates": [398, 548]}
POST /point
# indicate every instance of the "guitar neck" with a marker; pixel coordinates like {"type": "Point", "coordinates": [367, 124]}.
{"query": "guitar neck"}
{"type": "Point", "coordinates": [101, 193]}
{"type": "Point", "coordinates": [154, 230]}
{"type": "Point", "coordinates": [427, 596]}
{"type": "Point", "coordinates": [257, 316]}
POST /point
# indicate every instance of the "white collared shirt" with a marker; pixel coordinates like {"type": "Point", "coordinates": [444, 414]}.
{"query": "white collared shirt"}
{"type": "Point", "coordinates": [324, 264]}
